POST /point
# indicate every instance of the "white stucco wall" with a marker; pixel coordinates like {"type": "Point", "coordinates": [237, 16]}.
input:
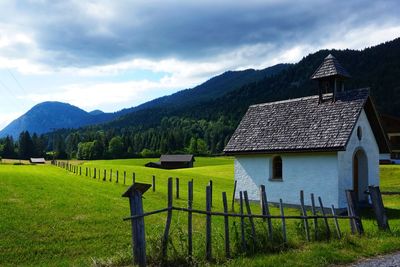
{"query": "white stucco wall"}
{"type": "Point", "coordinates": [345, 158]}
{"type": "Point", "coordinates": [311, 172]}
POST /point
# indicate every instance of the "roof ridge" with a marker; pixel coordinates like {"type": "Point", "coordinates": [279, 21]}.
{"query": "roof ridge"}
{"type": "Point", "coordinates": [307, 97]}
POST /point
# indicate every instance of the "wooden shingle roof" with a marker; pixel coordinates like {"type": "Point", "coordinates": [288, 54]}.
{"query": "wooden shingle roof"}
{"type": "Point", "coordinates": [177, 158]}
{"type": "Point", "coordinates": [330, 67]}
{"type": "Point", "coordinates": [303, 125]}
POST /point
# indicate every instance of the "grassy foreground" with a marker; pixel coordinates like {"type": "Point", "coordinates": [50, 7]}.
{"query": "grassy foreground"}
{"type": "Point", "coordinates": [52, 217]}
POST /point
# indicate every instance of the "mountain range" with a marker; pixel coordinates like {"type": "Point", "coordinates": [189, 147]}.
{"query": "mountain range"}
{"type": "Point", "coordinates": [49, 116]}
{"type": "Point", "coordinates": [204, 117]}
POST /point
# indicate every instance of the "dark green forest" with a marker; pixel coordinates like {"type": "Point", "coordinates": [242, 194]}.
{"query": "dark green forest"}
{"type": "Point", "coordinates": [204, 127]}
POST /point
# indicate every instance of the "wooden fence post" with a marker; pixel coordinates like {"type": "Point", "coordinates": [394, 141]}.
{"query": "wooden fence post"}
{"type": "Point", "coordinates": [134, 193]}
{"type": "Point", "coordinates": [226, 224]}
{"type": "Point", "coordinates": [190, 225]}
{"type": "Point", "coordinates": [265, 209]}
{"type": "Point", "coordinates": [303, 209]}
{"type": "Point", "coordinates": [328, 230]}
{"type": "Point", "coordinates": [117, 177]}
{"type": "Point", "coordinates": [94, 177]}
{"type": "Point", "coordinates": [233, 196]}
{"type": "Point", "coordinates": [110, 175]}
{"type": "Point", "coordinates": [283, 221]}
{"type": "Point", "coordinates": [355, 223]}
{"type": "Point", "coordinates": [177, 187]}
{"type": "Point", "coordinates": [86, 171]}
{"type": "Point", "coordinates": [80, 170]}
{"type": "Point", "coordinates": [133, 178]}
{"type": "Point", "coordinates": [208, 223]}
{"type": "Point", "coordinates": [379, 209]}
{"type": "Point", "coordinates": [124, 177]}
{"type": "Point", "coordinates": [211, 192]}
{"type": "Point", "coordinates": [243, 240]}
{"type": "Point", "coordinates": [104, 175]}
{"type": "Point", "coordinates": [314, 212]}
{"type": "Point", "coordinates": [253, 229]}
{"type": "Point", "coordinates": [339, 234]}
{"type": "Point", "coordinates": [154, 183]}
{"type": "Point", "coordinates": [168, 223]}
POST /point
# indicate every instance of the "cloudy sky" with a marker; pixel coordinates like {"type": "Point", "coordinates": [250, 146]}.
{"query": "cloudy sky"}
{"type": "Point", "coordinates": [111, 55]}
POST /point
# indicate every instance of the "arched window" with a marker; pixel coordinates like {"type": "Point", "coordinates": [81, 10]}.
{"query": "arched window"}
{"type": "Point", "coordinates": [277, 168]}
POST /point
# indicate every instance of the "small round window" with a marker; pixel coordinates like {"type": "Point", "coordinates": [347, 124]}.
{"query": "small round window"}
{"type": "Point", "coordinates": [359, 133]}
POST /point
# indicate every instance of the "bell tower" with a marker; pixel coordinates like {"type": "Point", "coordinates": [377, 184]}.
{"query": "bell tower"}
{"type": "Point", "coordinates": [331, 77]}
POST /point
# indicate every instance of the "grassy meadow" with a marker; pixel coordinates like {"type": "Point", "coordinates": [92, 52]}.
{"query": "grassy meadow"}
{"type": "Point", "coordinates": [51, 217]}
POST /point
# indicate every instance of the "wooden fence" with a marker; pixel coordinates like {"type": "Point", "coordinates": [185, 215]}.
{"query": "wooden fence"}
{"type": "Point", "coordinates": [135, 192]}
{"type": "Point", "coordinates": [99, 174]}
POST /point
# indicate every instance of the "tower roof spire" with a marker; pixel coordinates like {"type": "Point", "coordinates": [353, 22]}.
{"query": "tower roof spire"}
{"type": "Point", "coordinates": [331, 68]}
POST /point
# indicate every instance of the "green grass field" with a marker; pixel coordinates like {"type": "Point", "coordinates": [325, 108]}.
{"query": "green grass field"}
{"type": "Point", "coordinates": [51, 217]}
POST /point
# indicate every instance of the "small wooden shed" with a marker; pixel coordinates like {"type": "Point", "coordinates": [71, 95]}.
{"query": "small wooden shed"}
{"type": "Point", "coordinates": [37, 160]}
{"type": "Point", "coordinates": [173, 162]}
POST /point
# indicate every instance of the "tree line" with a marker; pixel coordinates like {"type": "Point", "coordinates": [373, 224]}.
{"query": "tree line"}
{"type": "Point", "coordinates": [25, 147]}
{"type": "Point", "coordinates": [173, 135]}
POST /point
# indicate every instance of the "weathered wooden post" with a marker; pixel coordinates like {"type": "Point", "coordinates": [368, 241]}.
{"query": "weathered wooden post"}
{"type": "Point", "coordinates": [242, 231]}
{"type": "Point", "coordinates": [226, 224]}
{"type": "Point", "coordinates": [283, 221]}
{"type": "Point", "coordinates": [190, 221]}
{"type": "Point", "coordinates": [304, 212]}
{"type": "Point", "coordinates": [353, 211]}
{"type": "Point", "coordinates": [379, 209]}
{"type": "Point", "coordinates": [208, 223]}
{"type": "Point", "coordinates": [328, 230]}
{"type": "Point", "coordinates": [104, 175]}
{"type": "Point", "coordinates": [124, 177]}
{"type": "Point", "coordinates": [154, 183]}
{"type": "Point", "coordinates": [265, 209]}
{"type": "Point", "coordinates": [165, 239]}
{"type": "Point", "coordinates": [86, 171]}
{"type": "Point", "coordinates": [233, 196]}
{"type": "Point", "coordinates": [133, 178]}
{"type": "Point", "coordinates": [134, 193]}
{"type": "Point", "coordinates": [211, 191]}
{"type": "Point", "coordinates": [314, 212]}
{"type": "Point", "coordinates": [95, 172]}
{"type": "Point", "coordinates": [177, 187]}
{"type": "Point", "coordinates": [253, 228]}
{"type": "Point", "coordinates": [339, 234]}
{"type": "Point", "coordinates": [117, 176]}
{"type": "Point", "coordinates": [110, 175]}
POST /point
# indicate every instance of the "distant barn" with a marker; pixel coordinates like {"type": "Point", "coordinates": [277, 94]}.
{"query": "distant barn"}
{"type": "Point", "coordinates": [173, 162]}
{"type": "Point", "coordinates": [37, 160]}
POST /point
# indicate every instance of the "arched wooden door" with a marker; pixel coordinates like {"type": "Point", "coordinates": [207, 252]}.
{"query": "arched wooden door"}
{"type": "Point", "coordinates": [355, 175]}
{"type": "Point", "coordinates": [360, 175]}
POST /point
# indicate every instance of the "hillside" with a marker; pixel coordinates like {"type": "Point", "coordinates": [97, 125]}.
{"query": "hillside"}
{"type": "Point", "coordinates": [376, 67]}
{"type": "Point", "coordinates": [213, 88]}
{"type": "Point", "coordinates": [46, 116]}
